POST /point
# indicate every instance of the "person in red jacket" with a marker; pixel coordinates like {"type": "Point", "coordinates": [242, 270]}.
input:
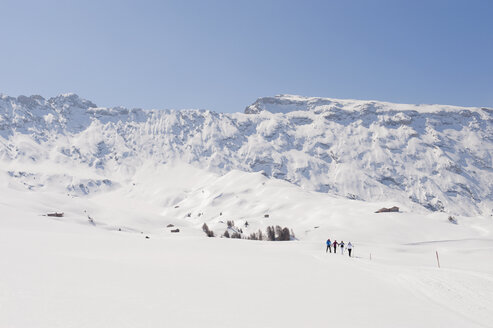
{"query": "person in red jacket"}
{"type": "Point", "coordinates": [335, 246]}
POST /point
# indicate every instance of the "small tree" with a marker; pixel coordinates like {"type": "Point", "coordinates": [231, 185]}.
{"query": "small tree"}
{"type": "Point", "coordinates": [230, 223]}
{"type": "Point", "coordinates": [278, 232]}
{"type": "Point", "coordinates": [226, 234]}
{"type": "Point", "coordinates": [271, 233]}
{"type": "Point", "coordinates": [260, 235]}
{"type": "Point", "coordinates": [207, 231]}
{"type": "Point", "coordinates": [285, 235]}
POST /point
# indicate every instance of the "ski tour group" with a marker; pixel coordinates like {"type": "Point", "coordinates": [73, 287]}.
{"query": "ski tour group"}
{"type": "Point", "coordinates": [334, 244]}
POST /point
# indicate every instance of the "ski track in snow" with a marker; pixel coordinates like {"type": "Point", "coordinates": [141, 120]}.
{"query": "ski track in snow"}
{"type": "Point", "coordinates": [467, 293]}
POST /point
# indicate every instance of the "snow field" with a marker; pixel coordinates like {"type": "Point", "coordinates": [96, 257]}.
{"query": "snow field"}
{"type": "Point", "coordinates": [67, 275]}
{"type": "Point", "coordinates": [67, 272]}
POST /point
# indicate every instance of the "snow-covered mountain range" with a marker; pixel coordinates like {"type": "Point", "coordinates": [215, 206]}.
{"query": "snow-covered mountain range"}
{"type": "Point", "coordinates": [432, 156]}
{"type": "Point", "coordinates": [136, 187]}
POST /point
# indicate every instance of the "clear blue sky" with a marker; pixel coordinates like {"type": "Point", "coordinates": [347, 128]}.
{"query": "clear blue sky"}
{"type": "Point", "coordinates": [222, 55]}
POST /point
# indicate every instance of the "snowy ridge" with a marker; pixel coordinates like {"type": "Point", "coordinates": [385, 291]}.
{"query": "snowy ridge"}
{"type": "Point", "coordinates": [439, 157]}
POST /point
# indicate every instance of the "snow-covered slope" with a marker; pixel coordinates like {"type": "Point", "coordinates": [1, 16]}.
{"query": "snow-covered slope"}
{"type": "Point", "coordinates": [437, 156]}
{"type": "Point", "coordinates": [125, 267]}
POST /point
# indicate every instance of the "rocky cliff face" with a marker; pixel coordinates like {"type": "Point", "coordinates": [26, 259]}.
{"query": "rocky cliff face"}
{"type": "Point", "coordinates": [437, 156]}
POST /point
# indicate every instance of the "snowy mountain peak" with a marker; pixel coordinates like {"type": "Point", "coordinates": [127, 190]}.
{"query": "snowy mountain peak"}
{"type": "Point", "coordinates": [69, 100]}
{"type": "Point", "coordinates": [290, 103]}
{"type": "Point", "coordinates": [437, 156]}
{"type": "Point", "coordinates": [286, 103]}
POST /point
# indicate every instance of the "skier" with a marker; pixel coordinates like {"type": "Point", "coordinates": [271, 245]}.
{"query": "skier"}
{"type": "Point", "coordinates": [342, 247]}
{"type": "Point", "coordinates": [328, 246]}
{"type": "Point", "coordinates": [335, 246]}
{"type": "Point", "coordinates": [349, 248]}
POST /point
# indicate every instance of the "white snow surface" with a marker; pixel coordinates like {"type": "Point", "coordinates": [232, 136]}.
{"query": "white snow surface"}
{"type": "Point", "coordinates": [72, 272]}
{"type": "Point", "coordinates": [134, 172]}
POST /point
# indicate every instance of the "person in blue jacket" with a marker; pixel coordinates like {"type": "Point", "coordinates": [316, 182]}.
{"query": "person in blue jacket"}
{"type": "Point", "coordinates": [328, 246]}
